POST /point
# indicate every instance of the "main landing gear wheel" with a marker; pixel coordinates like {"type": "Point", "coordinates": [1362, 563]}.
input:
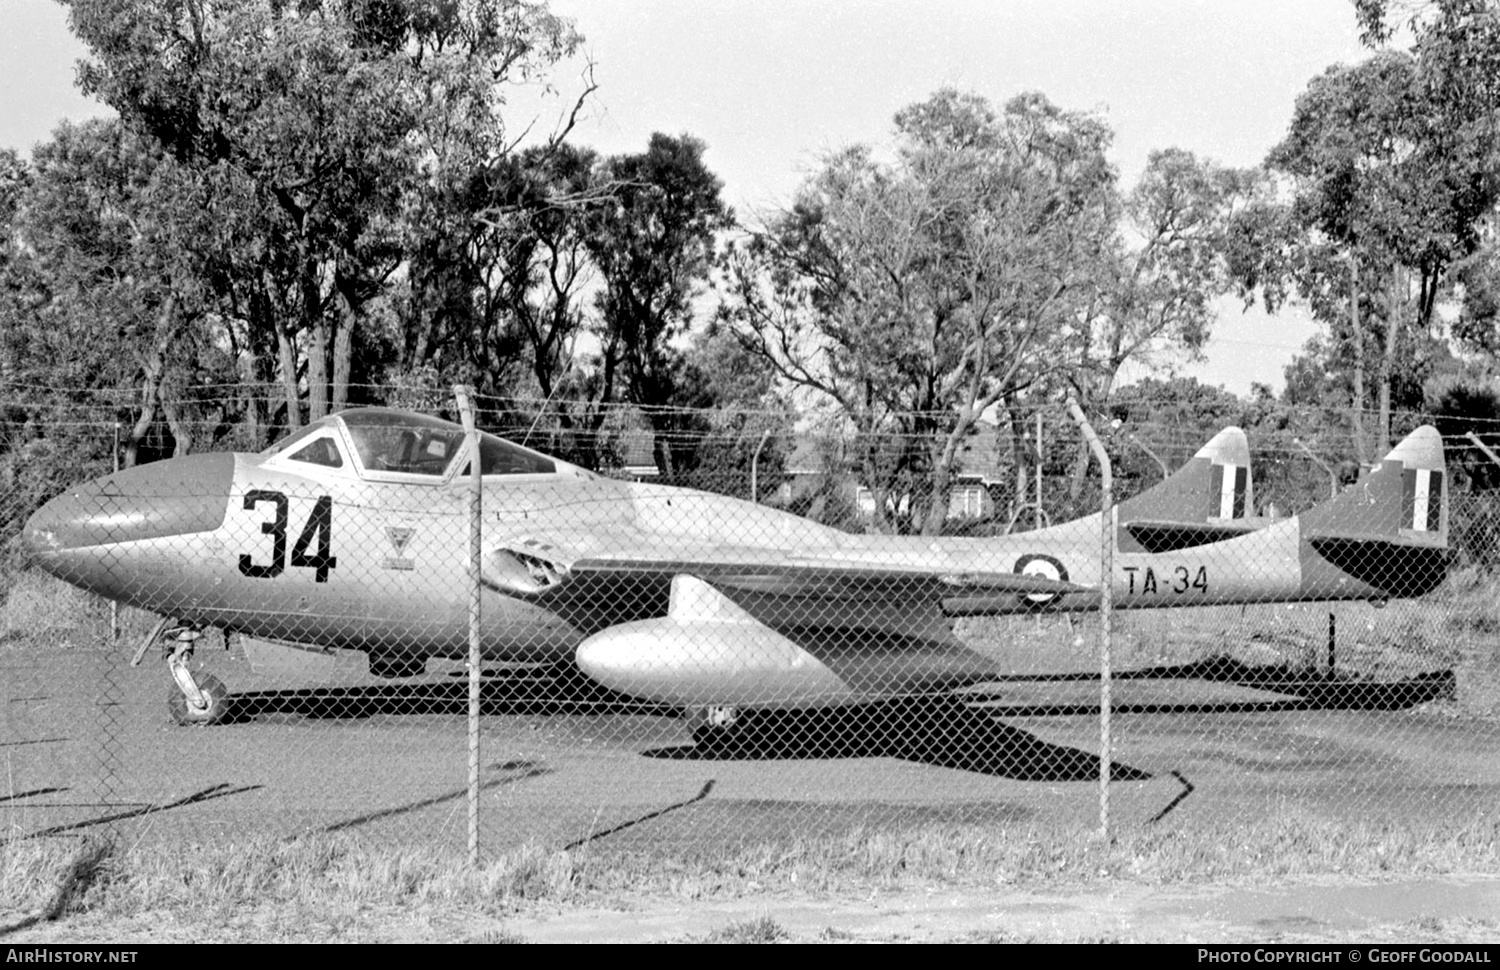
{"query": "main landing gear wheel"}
{"type": "Point", "coordinates": [215, 709]}
{"type": "Point", "coordinates": [718, 728]}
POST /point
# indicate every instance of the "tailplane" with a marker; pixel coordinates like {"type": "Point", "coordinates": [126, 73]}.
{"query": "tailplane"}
{"type": "Point", "coordinates": [1389, 530]}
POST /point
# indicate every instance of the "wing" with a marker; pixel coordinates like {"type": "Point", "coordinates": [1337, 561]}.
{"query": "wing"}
{"type": "Point", "coordinates": [823, 580]}
{"type": "Point", "coordinates": [738, 627]}
{"type": "Point", "coordinates": [546, 571]}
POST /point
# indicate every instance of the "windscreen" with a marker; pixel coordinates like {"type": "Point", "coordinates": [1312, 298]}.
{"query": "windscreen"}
{"type": "Point", "coordinates": [412, 444]}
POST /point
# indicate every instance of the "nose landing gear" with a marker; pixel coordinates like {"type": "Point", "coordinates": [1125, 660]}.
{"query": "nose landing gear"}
{"type": "Point", "coordinates": [212, 706]}
{"type": "Point", "coordinates": [200, 699]}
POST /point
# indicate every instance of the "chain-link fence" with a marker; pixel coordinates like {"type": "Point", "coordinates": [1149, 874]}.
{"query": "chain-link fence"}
{"type": "Point", "coordinates": [823, 632]}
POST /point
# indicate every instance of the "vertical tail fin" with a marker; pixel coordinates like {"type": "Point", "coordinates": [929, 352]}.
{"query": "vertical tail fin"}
{"type": "Point", "coordinates": [1388, 530]}
{"type": "Point", "coordinates": [1402, 498]}
{"type": "Point", "coordinates": [1209, 499]}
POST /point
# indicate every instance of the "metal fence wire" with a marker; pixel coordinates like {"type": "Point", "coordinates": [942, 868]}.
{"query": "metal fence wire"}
{"type": "Point", "coordinates": [752, 630]}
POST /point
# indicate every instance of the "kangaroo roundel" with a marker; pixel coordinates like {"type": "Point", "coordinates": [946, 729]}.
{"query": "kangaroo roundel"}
{"type": "Point", "coordinates": [1045, 566]}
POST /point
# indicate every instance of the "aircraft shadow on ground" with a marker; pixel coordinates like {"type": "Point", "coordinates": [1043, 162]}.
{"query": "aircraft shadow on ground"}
{"type": "Point", "coordinates": [953, 734]}
{"type": "Point", "coordinates": [943, 732]}
{"type": "Point", "coordinates": [1302, 689]}
{"type": "Point", "coordinates": [939, 731]}
{"type": "Point", "coordinates": [547, 692]}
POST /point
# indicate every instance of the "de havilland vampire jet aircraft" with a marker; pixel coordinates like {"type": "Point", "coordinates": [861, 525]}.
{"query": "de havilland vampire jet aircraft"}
{"type": "Point", "coordinates": [353, 533]}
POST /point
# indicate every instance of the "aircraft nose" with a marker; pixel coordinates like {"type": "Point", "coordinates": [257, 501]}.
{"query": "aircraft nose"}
{"type": "Point", "coordinates": [167, 498]}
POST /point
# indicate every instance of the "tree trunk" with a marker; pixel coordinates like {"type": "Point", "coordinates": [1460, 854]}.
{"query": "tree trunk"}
{"type": "Point", "coordinates": [153, 369]}
{"type": "Point", "coordinates": [1079, 470]}
{"type": "Point", "coordinates": [317, 372]}
{"type": "Point", "coordinates": [943, 474]}
{"type": "Point", "coordinates": [288, 355]}
{"type": "Point", "coordinates": [343, 350]}
{"type": "Point", "coordinates": [880, 521]}
{"type": "Point", "coordinates": [662, 429]}
{"type": "Point", "coordinates": [1020, 460]}
{"type": "Point", "coordinates": [1357, 416]}
{"type": "Point", "coordinates": [1394, 311]}
{"type": "Point", "coordinates": [939, 501]}
{"type": "Point", "coordinates": [316, 323]}
{"type": "Point", "coordinates": [142, 422]}
{"type": "Point", "coordinates": [182, 436]}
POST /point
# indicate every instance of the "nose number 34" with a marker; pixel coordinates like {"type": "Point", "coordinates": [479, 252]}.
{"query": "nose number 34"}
{"type": "Point", "coordinates": [319, 530]}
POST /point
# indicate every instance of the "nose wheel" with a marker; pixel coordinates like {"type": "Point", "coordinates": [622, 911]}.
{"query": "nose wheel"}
{"type": "Point", "coordinates": [212, 706]}
{"type": "Point", "coordinates": [199, 699]}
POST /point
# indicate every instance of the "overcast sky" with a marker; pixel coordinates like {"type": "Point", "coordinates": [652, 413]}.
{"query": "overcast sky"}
{"type": "Point", "coordinates": [770, 85]}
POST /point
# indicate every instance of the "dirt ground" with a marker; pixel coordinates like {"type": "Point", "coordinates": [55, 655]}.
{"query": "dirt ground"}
{"type": "Point", "coordinates": [1447, 909]}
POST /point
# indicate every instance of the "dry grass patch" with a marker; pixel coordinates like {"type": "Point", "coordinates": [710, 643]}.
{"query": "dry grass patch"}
{"type": "Point", "coordinates": [762, 929]}
{"type": "Point", "coordinates": [328, 881]}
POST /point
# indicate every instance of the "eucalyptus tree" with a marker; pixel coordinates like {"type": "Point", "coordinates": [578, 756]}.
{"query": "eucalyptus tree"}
{"type": "Point", "coordinates": [496, 291]}
{"type": "Point", "coordinates": [1157, 283]}
{"type": "Point", "coordinates": [1167, 265]}
{"type": "Point", "coordinates": [491, 228]}
{"type": "Point", "coordinates": [1393, 178]}
{"type": "Point", "coordinates": [651, 238]}
{"type": "Point", "coordinates": [118, 242]}
{"type": "Point", "coordinates": [915, 294]}
{"type": "Point", "coordinates": [106, 309]}
{"type": "Point", "coordinates": [337, 116]}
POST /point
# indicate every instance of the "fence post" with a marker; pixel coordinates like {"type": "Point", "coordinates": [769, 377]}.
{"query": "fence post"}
{"type": "Point", "coordinates": [1488, 451]}
{"type": "Point", "coordinates": [464, 395]}
{"type": "Point", "coordinates": [1039, 459]}
{"type": "Point", "coordinates": [1106, 604]}
{"type": "Point", "coordinates": [114, 605]}
{"type": "Point", "coordinates": [1166, 472]}
{"type": "Point", "coordinates": [755, 466]}
{"type": "Point", "coordinates": [1333, 478]}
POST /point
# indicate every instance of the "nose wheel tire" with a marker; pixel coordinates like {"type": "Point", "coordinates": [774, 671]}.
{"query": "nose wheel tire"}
{"type": "Point", "coordinates": [213, 691]}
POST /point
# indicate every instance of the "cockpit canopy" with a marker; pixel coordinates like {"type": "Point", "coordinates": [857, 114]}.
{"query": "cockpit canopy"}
{"type": "Point", "coordinates": [387, 442]}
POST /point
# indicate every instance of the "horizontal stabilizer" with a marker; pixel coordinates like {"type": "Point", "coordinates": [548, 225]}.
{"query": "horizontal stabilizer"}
{"type": "Point", "coordinates": [1401, 568]}
{"type": "Point", "coordinates": [1169, 536]}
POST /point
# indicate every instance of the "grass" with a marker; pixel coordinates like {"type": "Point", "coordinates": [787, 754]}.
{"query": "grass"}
{"type": "Point", "coordinates": [762, 929]}
{"type": "Point", "coordinates": [35, 602]}
{"type": "Point", "coordinates": [335, 875]}
{"type": "Point", "coordinates": [497, 936]}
